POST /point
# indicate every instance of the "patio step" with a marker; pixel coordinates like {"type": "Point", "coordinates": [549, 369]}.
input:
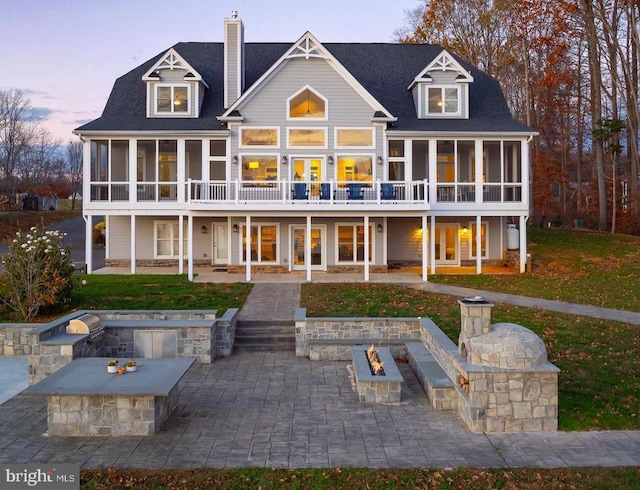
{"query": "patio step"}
{"type": "Point", "coordinates": [265, 335]}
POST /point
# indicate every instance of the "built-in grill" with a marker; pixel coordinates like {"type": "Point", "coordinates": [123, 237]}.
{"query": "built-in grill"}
{"type": "Point", "coordinates": [86, 324]}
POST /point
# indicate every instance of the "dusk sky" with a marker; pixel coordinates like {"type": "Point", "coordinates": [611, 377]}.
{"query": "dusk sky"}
{"type": "Point", "coordinates": [66, 54]}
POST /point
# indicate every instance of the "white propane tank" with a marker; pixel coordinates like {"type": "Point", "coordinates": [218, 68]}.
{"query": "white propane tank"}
{"type": "Point", "coordinates": [513, 237]}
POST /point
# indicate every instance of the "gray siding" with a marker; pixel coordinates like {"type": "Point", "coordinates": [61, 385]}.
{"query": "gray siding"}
{"type": "Point", "coordinates": [268, 108]}
{"type": "Point", "coordinates": [119, 237]}
{"type": "Point", "coordinates": [232, 60]}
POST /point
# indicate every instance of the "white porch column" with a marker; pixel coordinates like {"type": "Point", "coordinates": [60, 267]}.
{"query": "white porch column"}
{"type": "Point", "coordinates": [133, 170]}
{"type": "Point", "coordinates": [385, 250]}
{"type": "Point", "coordinates": [133, 244]}
{"type": "Point", "coordinates": [366, 248]}
{"type": "Point", "coordinates": [523, 243]}
{"type": "Point", "coordinates": [425, 262]}
{"type": "Point", "coordinates": [88, 243]}
{"type": "Point", "coordinates": [190, 248]}
{"type": "Point", "coordinates": [478, 239]}
{"type": "Point", "coordinates": [307, 248]}
{"type": "Point", "coordinates": [181, 244]}
{"type": "Point", "coordinates": [181, 172]}
{"type": "Point", "coordinates": [432, 243]}
{"type": "Point", "coordinates": [247, 258]}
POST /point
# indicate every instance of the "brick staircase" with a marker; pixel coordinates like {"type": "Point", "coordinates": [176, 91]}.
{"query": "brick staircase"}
{"type": "Point", "coordinates": [265, 335]}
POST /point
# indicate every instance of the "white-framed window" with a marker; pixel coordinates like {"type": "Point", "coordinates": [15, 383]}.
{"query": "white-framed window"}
{"type": "Point", "coordinates": [173, 99]}
{"type": "Point", "coordinates": [484, 240]}
{"type": "Point", "coordinates": [307, 138]}
{"type": "Point", "coordinates": [265, 247]}
{"type": "Point", "coordinates": [259, 167]}
{"type": "Point", "coordinates": [307, 104]}
{"type": "Point", "coordinates": [396, 160]}
{"type": "Point", "coordinates": [350, 243]}
{"type": "Point", "coordinates": [357, 168]}
{"type": "Point", "coordinates": [166, 240]}
{"type": "Point", "coordinates": [355, 138]}
{"type": "Point", "coordinates": [217, 159]}
{"type": "Point", "coordinates": [259, 137]}
{"type": "Point", "coordinates": [443, 100]}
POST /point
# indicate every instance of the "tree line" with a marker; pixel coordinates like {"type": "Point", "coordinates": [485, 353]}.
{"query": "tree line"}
{"type": "Point", "coordinates": [32, 161]}
{"type": "Point", "coordinates": [569, 69]}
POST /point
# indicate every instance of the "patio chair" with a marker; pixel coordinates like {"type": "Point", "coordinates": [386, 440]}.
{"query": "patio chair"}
{"type": "Point", "coordinates": [325, 191]}
{"type": "Point", "coordinates": [387, 192]}
{"type": "Point", "coordinates": [355, 192]}
{"type": "Point", "coordinates": [300, 191]}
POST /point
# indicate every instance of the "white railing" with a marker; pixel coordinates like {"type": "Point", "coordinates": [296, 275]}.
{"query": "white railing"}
{"type": "Point", "coordinates": [296, 192]}
{"type": "Point", "coordinates": [286, 191]}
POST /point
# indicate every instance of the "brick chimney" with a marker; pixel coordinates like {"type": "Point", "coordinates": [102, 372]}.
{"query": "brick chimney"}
{"type": "Point", "coordinates": [233, 59]}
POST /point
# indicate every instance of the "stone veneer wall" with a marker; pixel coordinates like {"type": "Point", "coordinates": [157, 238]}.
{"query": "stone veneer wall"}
{"type": "Point", "coordinates": [151, 262]}
{"type": "Point", "coordinates": [47, 355]}
{"type": "Point", "coordinates": [360, 330]}
{"type": "Point", "coordinates": [499, 400]}
{"type": "Point", "coordinates": [109, 415]}
{"type": "Point", "coordinates": [51, 348]}
{"type": "Point", "coordinates": [512, 257]}
{"type": "Point", "coordinates": [193, 341]}
{"type": "Point", "coordinates": [15, 339]}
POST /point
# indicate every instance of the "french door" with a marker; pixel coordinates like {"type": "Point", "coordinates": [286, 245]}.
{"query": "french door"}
{"type": "Point", "coordinates": [446, 238]}
{"type": "Point", "coordinates": [298, 248]}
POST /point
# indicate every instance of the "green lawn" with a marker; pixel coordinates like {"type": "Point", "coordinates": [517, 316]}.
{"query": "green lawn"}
{"type": "Point", "coordinates": [599, 386]}
{"type": "Point", "coordinates": [575, 266]}
{"type": "Point", "coordinates": [152, 292]}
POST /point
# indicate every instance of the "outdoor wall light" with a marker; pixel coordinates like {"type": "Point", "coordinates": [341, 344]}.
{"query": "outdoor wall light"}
{"type": "Point", "coordinates": [380, 160]}
{"type": "Point", "coordinates": [465, 230]}
{"type": "Point", "coordinates": [235, 228]}
{"type": "Point", "coordinates": [379, 228]}
{"type": "Point", "coordinates": [330, 160]}
{"type": "Point", "coordinates": [284, 159]}
{"type": "Point", "coordinates": [203, 230]}
{"type": "Point", "coordinates": [234, 159]}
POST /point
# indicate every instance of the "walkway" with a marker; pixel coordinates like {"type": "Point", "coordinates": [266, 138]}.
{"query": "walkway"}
{"type": "Point", "coordinates": [271, 302]}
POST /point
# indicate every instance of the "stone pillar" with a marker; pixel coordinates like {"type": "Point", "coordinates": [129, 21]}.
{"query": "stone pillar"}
{"type": "Point", "coordinates": [475, 319]}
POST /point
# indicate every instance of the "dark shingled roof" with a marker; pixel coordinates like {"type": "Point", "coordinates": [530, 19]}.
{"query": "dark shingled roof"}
{"type": "Point", "coordinates": [385, 70]}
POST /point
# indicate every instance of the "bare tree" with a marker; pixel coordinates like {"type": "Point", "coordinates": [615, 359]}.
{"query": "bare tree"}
{"type": "Point", "coordinates": [17, 132]}
{"type": "Point", "coordinates": [74, 160]}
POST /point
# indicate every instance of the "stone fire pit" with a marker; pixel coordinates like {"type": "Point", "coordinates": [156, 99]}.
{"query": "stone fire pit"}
{"type": "Point", "coordinates": [381, 388]}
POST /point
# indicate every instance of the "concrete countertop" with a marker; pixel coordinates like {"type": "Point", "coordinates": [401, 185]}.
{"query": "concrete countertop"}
{"type": "Point", "coordinates": [88, 377]}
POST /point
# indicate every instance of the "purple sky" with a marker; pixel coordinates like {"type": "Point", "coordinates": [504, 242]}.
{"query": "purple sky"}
{"type": "Point", "coordinates": [66, 54]}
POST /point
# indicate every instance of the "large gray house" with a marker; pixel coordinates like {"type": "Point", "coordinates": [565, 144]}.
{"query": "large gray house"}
{"type": "Point", "coordinates": [307, 156]}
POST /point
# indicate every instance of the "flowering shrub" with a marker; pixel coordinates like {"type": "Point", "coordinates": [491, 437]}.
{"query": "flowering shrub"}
{"type": "Point", "coordinates": [38, 273]}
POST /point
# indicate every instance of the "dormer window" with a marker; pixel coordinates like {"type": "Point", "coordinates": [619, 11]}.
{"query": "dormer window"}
{"type": "Point", "coordinates": [307, 104]}
{"type": "Point", "coordinates": [172, 99]}
{"type": "Point", "coordinates": [443, 100]}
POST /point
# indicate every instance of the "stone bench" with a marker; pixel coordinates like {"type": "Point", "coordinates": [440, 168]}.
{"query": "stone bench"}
{"type": "Point", "coordinates": [340, 349]}
{"type": "Point", "coordinates": [438, 386]}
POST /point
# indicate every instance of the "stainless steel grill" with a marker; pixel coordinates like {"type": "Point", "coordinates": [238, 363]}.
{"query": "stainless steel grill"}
{"type": "Point", "coordinates": [87, 324]}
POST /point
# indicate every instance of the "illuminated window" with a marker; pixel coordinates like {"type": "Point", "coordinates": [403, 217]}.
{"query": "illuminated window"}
{"type": "Point", "coordinates": [308, 138]}
{"type": "Point", "coordinates": [355, 168]}
{"type": "Point", "coordinates": [351, 243]}
{"type": "Point", "coordinates": [264, 243]}
{"type": "Point", "coordinates": [443, 100]}
{"type": "Point", "coordinates": [172, 99]}
{"type": "Point", "coordinates": [483, 240]}
{"type": "Point", "coordinates": [259, 137]}
{"type": "Point", "coordinates": [259, 167]}
{"type": "Point", "coordinates": [307, 104]}
{"type": "Point", "coordinates": [354, 138]}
